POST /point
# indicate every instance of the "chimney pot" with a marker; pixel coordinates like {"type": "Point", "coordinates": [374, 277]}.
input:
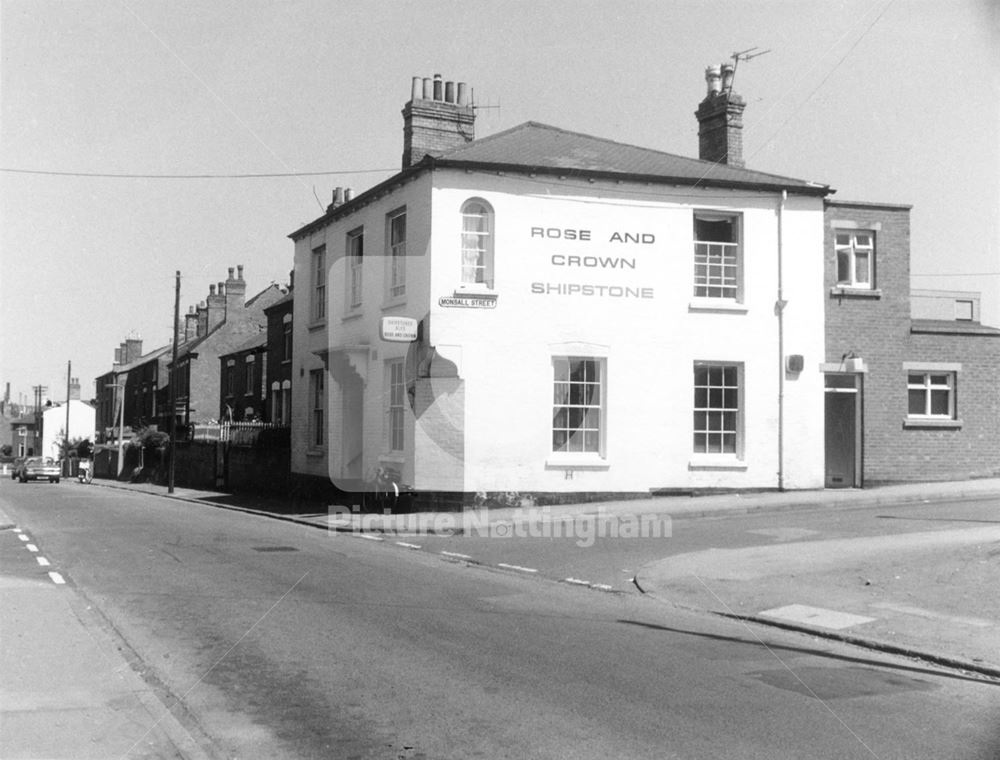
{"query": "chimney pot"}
{"type": "Point", "coordinates": [416, 88]}
{"type": "Point", "coordinates": [230, 273]}
{"type": "Point", "coordinates": [449, 92]}
{"type": "Point", "coordinates": [239, 271]}
{"type": "Point", "coordinates": [428, 89]}
{"type": "Point", "coordinates": [727, 76]}
{"type": "Point", "coordinates": [437, 87]}
{"type": "Point", "coordinates": [211, 290]}
{"type": "Point", "coordinates": [221, 290]}
{"type": "Point", "coordinates": [463, 94]}
{"type": "Point", "coordinates": [348, 195]}
{"type": "Point", "coordinates": [713, 77]}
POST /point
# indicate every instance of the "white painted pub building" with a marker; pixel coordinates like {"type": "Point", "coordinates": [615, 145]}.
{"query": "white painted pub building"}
{"type": "Point", "coordinates": [546, 311]}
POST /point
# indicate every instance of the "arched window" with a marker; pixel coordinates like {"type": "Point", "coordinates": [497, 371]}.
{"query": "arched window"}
{"type": "Point", "coordinates": [477, 243]}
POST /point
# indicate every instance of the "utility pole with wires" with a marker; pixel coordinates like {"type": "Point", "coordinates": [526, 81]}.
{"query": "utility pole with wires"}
{"type": "Point", "coordinates": [173, 384]}
{"type": "Point", "coordinates": [69, 396]}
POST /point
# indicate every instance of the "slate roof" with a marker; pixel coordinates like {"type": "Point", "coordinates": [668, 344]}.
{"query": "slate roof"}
{"type": "Point", "coordinates": [538, 148]}
{"type": "Point", "coordinates": [255, 341]}
{"type": "Point", "coordinates": [154, 354]}
{"type": "Point", "coordinates": [546, 148]}
{"type": "Point", "coordinates": [952, 327]}
{"type": "Point", "coordinates": [287, 298]}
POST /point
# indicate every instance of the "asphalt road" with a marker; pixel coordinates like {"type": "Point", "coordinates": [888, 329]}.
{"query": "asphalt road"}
{"type": "Point", "coordinates": [615, 562]}
{"type": "Point", "coordinates": [273, 640]}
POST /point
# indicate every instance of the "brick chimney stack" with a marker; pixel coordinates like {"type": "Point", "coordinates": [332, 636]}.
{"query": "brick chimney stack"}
{"type": "Point", "coordinates": [133, 349]}
{"type": "Point", "coordinates": [236, 291]}
{"type": "Point", "coordinates": [720, 119]}
{"type": "Point", "coordinates": [190, 325]}
{"type": "Point", "coordinates": [74, 389]}
{"type": "Point", "coordinates": [202, 312]}
{"type": "Point", "coordinates": [216, 305]}
{"type": "Point", "coordinates": [438, 118]}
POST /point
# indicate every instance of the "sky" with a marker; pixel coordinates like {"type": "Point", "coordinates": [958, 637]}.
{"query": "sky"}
{"type": "Point", "coordinates": [894, 101]}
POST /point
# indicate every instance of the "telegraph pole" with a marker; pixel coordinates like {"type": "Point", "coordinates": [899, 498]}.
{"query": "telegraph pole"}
{"type": "Point", "coordinates": [69, 372]}
{"type": "Point", "coordinates": [40, 391]}
{"type": "Point", "coordinates": [173, 386]}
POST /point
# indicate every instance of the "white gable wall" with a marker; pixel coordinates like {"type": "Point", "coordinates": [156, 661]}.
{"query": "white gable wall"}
{"type": "Point", "coordinates": [82, 423]}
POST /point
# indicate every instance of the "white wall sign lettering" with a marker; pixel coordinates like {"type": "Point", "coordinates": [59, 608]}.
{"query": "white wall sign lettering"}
{"type": "Point", "coordinates": [594, 261]}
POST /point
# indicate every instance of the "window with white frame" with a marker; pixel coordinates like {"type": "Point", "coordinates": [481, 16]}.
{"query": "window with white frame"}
{"type": "Point", "coordinates": [855, 258]}
{"type": "Point", "coordinates": [931, 394]}
{"type": "Point", "coordinates": [578, 404]}
{"type": "Point", "coordinates": [717, 409]}
{"type": "Point", "coordinates": [286, 327]}
{"type": "Point", "coordinates": [397, 398]}
{"type": "Point", "coordinates": [317, 401]}
{"type": "Point", "coordinates": [355, 267]}
{"type": "Point", "coordinates": [281, 402]}
{"type": "Point", "coordinates": [286, 402]}
{"type": "Point", "coordinates": [250, 365]}
{"type": "Point", "coordinates": [396, 242]}
{"type": "Point", "coordinates": [717, 256]}
{"type": "Point", "coordinates": [319, 283]}
{"type": "Point", "coordinates": [477, 243]}
{"type": "Point", "coordinates": [276, 403]}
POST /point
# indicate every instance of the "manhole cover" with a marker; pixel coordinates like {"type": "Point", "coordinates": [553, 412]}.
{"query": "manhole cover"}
{"type": "Point", "coordinates": [275, 549]}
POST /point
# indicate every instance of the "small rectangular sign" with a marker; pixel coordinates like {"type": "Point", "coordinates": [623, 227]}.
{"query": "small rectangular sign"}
{"type": "Point", "coordinates": [398, 329]}
{"type": "Point", "coordinates": [468, 302]}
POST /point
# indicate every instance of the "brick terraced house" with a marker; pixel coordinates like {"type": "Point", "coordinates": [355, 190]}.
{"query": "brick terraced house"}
{"type": "Point", "coordinates": [907, 399]}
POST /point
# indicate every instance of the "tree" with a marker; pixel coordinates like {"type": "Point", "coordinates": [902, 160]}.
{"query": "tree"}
{"type": "Point", "coordinates": [78, 447]}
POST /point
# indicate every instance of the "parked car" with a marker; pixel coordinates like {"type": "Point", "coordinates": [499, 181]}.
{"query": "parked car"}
{"type": "Point", "coordinates": [40, 468]}
{"type": "Point", "coordinates": [15, 468]}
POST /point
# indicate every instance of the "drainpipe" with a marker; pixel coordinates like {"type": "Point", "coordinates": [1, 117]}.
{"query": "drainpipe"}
{"type": "Point", "coordinates": [779, 309]}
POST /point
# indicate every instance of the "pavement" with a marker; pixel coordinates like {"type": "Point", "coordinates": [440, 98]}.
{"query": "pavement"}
{"type": "Point", "coordinates": [68, 687]}
{"type": "Point", "coordinates": [929, 595]}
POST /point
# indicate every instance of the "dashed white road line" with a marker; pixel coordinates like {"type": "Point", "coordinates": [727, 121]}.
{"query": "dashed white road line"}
{"type": "Point", "coordinates": [31, 548]}
{"type": "Point", "coordinates": [43, 562]}
{"type": "Point", "coordinates": [517, 567]}
{"type": "Point", "coordinates": [370, 538]}
{"type": "Point", "coordinates": [23, 537]}
{"type": "Point", "coordinates": [406, 545]}
{"type": "Point", "coordinates": [456, 555]}
{"type": "Point", "coordinates": [57, 579]}
{"type": "Point", "coordinates": [577, 582]}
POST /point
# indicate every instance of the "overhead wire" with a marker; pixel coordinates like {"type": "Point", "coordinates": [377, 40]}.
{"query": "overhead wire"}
{"type": "Point", "coordinates": [260, 175]}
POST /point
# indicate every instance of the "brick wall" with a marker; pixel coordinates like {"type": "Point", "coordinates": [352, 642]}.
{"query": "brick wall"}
{"type": "Point", "coordinates": [973, 449]}
{"type": "Point", "coordinates": [873, 325]}
{"type": "Point", "coordinates": [876, 326]}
